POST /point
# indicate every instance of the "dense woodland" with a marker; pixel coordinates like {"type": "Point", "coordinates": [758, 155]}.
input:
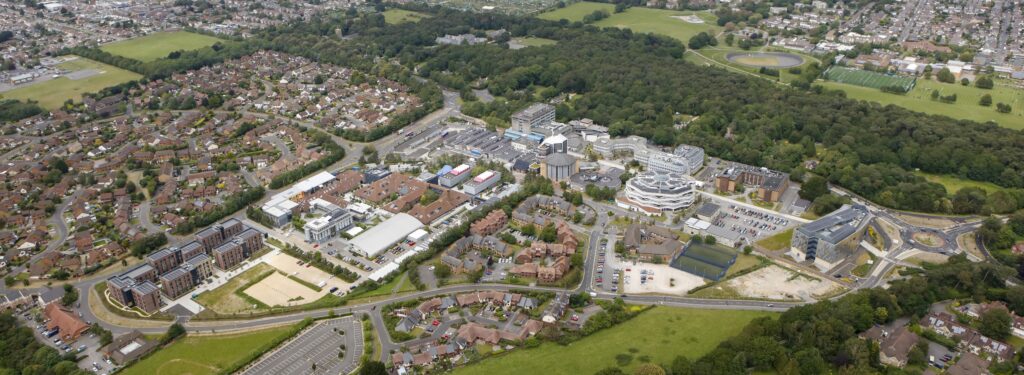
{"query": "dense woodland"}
{"type": "Point", "coordinates": [20, 353]}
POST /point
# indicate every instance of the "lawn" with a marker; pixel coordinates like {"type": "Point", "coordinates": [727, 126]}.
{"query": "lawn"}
{"type": "Point", "coordinates": [777, 241]}
{"type": "Point", "coordinates": [743, 262]}
{"type": "Point", "coordinates": [867, 79]}
{"type": "Point", "coordinates": [966, 106]}
{"type": "Point", "coordinates": [225, 300]}
{"type": "Point", "coordinates": [638, 19]}
{"type": "Point", "coordinates": [53, 93]}
{"type": "Point", "coordinates": [397, 16]}
{"type": "Point", "coordinates": [400, 281]}
{"type": "Point", "coordinates": [535, 42]}
{"type": "Point", "coordinates": [953, 183]}
{"type": "Point", "coordinates": [198, 355]}
{"type": "Point", "coordinates": [656, 336]}
{"type": "Point", "coordinates": [158, 45]}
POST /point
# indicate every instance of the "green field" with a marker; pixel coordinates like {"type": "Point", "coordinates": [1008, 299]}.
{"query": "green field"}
{"type": "Point", "coordinates": [158, 45]}
{"type": "Point", "coordinates": [535, 42]}
{"type": "Point", "coordinates": [658, 336]}
{"type": "Point", "coordinates": [228, 298]}
{"type": "Point", "coordinates": [714, 254]}
{"type": "Point", "coordinates": [696, 267]}
{"type": "Point", "coordinates": [966, 106]}
{"type": "Point", "coordinates": [397, 16]}
{"type": "Point", "coordinates": [777, 241]}
{"type": "Point", "coordinates": [638, 19]}
{"type": "Point", "coordinates": [867, 79]}
{"type": "Point", "coordinates": [198, 355]}
{"type": "Point", "coordinates": [953, 183]}
{"type": "Point", "coordinates": [53, 93]}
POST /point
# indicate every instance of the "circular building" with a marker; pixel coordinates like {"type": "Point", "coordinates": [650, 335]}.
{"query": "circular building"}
{"type": "Point", "coordinates": [559, 166]}
{"type": "Point", "coordinates": [655, 192]}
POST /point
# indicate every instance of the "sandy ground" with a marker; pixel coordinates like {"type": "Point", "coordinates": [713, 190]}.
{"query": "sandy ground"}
{"type": "Point", "coordinates": [312, 275]}
{"type": "Point", "coordinates": [279, 290]}
{"type": "Point", "coordinates": [689, 19]}
{"type": "Point", "coordinates": [778, 283]}
{"type": "Point", "coordinates": [664, 279]}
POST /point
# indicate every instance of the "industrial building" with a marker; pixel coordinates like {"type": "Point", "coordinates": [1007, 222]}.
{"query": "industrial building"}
{"type": "Point", "coordinates": [282, 205]}
{"type": "Point", "coordinates": [382, 236]}
{"type": "Point", "coordinates": [832, 238]}
{"type": "Point", "coordinates": [332, 220]}
{"type": "Point", "coordinates": [653, 192]}
{"type": "Point", "coordinates": [535, 115]}
{"type": "Point", "coordinates": [454, 177]}
{"type": "Point", "coordinates": [482, 182]}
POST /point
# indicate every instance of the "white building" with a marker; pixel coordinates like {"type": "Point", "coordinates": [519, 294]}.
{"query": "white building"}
{"type": "Point", "coordinates": [482, 182]}
{"type": "Point", "coordinates": [455, 176]}
{"type": "Point", "coordinates": [381, 237]}
{"type": "Point", "coordinates": [655, 192]}
{"type": "Point", "coordinates": [535, 115]}
{"type": "Point", "coordinates": [279, 208]}
{"type": "Point", "coordinates": [333, 220]}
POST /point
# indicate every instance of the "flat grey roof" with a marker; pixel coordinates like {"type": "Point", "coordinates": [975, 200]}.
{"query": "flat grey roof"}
{"type": "Point", "coordinates": [837, 225]}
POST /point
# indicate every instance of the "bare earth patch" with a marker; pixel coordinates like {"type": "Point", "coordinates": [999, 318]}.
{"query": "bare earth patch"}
{"type": "Point", "coordinates": [666, 280]}
{"type": "Point", "coordinates": [777, 283]}
{"type": "Point", "coordinates": [288, 264]}
{"type": "Point", "coordinates": [279, 290]}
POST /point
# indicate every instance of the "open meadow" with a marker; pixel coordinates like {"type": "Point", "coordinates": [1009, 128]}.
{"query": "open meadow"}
{"type": "Point", "coordinates": [158, 45]}
{"type": "Point", "coordinates": [656, 336]}
{"type": "Point", "coordinates": [396, 16]}
{"type": "Point", "coordinates": [966, 106]}
{"type": "Point", "coordinates": [200, 355]}
{"type": "Point", "coordinates": [643, 20]}
{"type": "Point", "coordinates": [90, 76]}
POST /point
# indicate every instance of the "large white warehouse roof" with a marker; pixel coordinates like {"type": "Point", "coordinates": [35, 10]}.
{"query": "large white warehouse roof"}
{"type": "Point", "coordinates": [389, 232]}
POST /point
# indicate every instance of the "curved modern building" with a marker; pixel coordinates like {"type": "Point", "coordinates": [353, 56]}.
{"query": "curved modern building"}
{"type": "Point", "coordinates": [559, 166]}
{"type": "Point", "coordinates": [654, 192]}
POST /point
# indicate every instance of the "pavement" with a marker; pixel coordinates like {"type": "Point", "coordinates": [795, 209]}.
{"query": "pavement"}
{"type": "Point", "coordinates": [319, 346]}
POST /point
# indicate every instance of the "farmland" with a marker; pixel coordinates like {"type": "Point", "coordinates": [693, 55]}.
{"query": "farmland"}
{"type": "Point", "coordinates": [158, 45]}
{"type": "Point", "coordinates": [656, 336]}
{"type": "Point", "coordinates": [51, 94]}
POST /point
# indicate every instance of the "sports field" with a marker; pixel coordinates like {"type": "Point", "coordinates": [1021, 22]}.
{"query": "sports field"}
{"type": "Point", "coordinates": [867, 79]}
{"type": "Point", "coordinates": [200, 355]}
{"type": "Point", "coordinates": [228, 298]}
{"type": "Point", "coordinates": [656, 336]}
{"type": "Point", "coordinates": [697, 267]}
{"type": "Point", "coordinates": [94, 76]}
{"type": "Point", "coordinates": [966, 106]}
{"type": "Point", "coordinates": [638, 19]}
{"type": "Point", "coordinates": [714, 254]}
{"type": "Point", "coordinates": [766, 59]}
{"type": "Point", "coordinates": [397, 16]}
{"type": "Point", "coordinates": [158, 45]}
{"type": "Point", "coordinates": [534, 42]}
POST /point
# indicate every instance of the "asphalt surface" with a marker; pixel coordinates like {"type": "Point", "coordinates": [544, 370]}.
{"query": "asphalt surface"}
{"type": "Point", "coordinates": [319, 345]}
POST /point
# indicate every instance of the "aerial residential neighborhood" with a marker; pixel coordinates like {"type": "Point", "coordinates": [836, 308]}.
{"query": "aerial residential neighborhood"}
{"type": "Point", "coordinates": [674, 187]}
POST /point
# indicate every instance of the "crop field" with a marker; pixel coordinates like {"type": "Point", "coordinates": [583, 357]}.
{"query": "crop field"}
{"type": "Point", "coordinates": [51, 94]}
{"type": "Point", "coordinates": [200, 355]}
{"type": "Point", "coordinates": [867, 79]}
{"type": "Point", "coordinates": [966, 106]}
{"type": "Point", "coordinates": [675, 24]}
{"type": "Point", "coordinates": [656, 336]}
{"type": "Point", "coordinates": [158, 45]}
{"type": "Point", "coordinates": [397, 16]}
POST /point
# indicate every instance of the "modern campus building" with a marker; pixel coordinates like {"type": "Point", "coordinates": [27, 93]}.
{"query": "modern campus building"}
{"type": "Point", "coordinates": [653, 192]}
{"type": "Point", "coordinates": [536, 115]}
{"type": "Point", "coordinates": [136, 288]}
{"type": "Point", "coordinates": [482, 182]}
{"type": "Point", "coordinates": [770, 184]}
{"type": "Point", "coordinates": [454, 176]}
{"type": "Point", "coordinates": [830, 239]}
{"type": "Point", "coordinates": [332, 220]}
{"type": "Point", "coordinates": [382, 236]}
{"type": "Point", "coordinates": [685, 159]}
{"type": "Point", "coordinates": [282, 205]}
{"type": "Point", "coordinates": [559, 166]}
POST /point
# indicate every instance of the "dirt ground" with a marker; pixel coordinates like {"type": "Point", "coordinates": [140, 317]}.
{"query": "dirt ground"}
{"type": "Point", "coordinates": [923, 256]}
{"type": "Point", "coordinates": [312, 275]}
{"type": "Point", "coordinates": [966, 242]}
{"type": "Point", "coordinates": [667, 280]}
{"type": "Point", "coordinates": [778, 283]}
{"type": "Point", "coordinates": [279, 290]}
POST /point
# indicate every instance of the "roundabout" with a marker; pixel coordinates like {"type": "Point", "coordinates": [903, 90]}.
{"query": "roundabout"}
{"type": "Point", "coordinates": [765, 59]}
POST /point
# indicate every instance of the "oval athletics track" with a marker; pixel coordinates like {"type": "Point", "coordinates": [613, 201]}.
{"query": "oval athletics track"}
{"type": "Point", "coordinates": [765, 59]}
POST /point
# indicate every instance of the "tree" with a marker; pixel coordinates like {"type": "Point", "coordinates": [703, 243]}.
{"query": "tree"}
{"type": "Point", "coordinates": [174, 331]}
{"type": "Point", "coordinates": [610, 371]}
{"type": "Point", "coordinates": [995, 323]}
{"type": "Point", "coordinates": [986, 100]}
{"type": "Point", "coordinates": [710, 240]}
{"type": "Point", "coordinates": [373, 368]}
{"type": "Point", "coordinates": [965, 81]}
{"type": "Point", "coordinates": [442, 271]}
{"type": "Point", "coordinates": [106, 337]}
{"type": "Point", "coordinates": [681, 366]}
{"type": "Point", "coordinates": [984, 82]}
{"type": "Point", "coordinates": [70, 295]}
{"type": "Point", "coordinates": [649, 369]}
{"type": "Point", "coordinates": [810, 362]}
{"type": "Point", "coordinates": [1003, 108]}
{"type": "Point", "coordinates": [815, 187]}
{"type": "Point", "coordinates": [946, 76]}
{"type": "Point", "coordinates": [748, 249]}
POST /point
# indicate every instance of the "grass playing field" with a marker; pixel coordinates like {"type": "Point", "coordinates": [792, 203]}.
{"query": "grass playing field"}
{"type": "Point", "coordinates": [397, 16]}
{"type": "Point", "coordinates": [535, 42]}
{"type": "Point", "coordinates": [656, 336]}
{"type": "Point", "coordinates": [158, 45]}
{"type": "Point", "coordinates": [224, 300]}
{"type": "Point", "coordinates": [714, 254]}
{"type": "Point", "coordinates": [638, 19]}
{"type": "Point", "coordinates": [697, 267]}
{"type": "Point", "coordinates": [953, 183]}
{"type": "Point", "coordinates": [867, 79]}
{"type": "Point", "coordinates": [966, 106]}
{"type": "Point", "coordinates": [53, 93]}
{"type": "Point", "coordinates": [199, 355]}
